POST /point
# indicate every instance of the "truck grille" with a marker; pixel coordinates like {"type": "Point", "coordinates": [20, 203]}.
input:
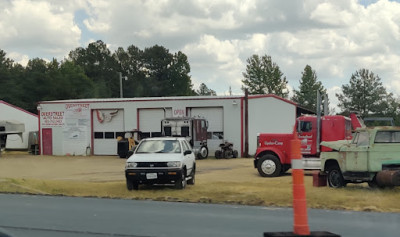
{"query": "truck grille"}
{"type": "Point", "coordinates": [151, 164]}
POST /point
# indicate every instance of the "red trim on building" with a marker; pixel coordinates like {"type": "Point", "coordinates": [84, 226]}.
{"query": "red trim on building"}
{"type": "Point", "coordinates": [137, 119]}
{"type": "Point", "coordinates": [274, 96]}
{"type": "Point", "coordinates": [39, 137]}
{"type": "Point", "coordinates": [18, 108]}
{"type": "Point", "coordinates": [169, 99]}
{"type": "Point", "coordinates": [241, 127]}
{"type": "Point", "coordinates": [91, 133]}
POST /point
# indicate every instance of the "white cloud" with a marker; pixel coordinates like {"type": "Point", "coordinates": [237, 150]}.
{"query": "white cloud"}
{"type": "Point", "coordinates": [336, 38]}
{"type": "Point", "coordinates": [37, 28]}
{"type": "Point", "coordinates": [333, 101]}
{"type": "Point", "coordinates": [19, 58]}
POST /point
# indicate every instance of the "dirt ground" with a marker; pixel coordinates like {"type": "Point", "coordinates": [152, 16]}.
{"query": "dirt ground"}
{"type": "Point", "coordinates": [93, 168]}
{"type": "Point", "coordinates": [233, 181]}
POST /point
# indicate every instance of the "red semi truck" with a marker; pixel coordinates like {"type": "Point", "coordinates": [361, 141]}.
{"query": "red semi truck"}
{"type": "Point", "coordinates": [273, 150]}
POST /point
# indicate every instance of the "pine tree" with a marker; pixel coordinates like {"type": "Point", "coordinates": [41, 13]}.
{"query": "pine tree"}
{"type": "Point", "coordinates": [307, 93]}
{"type": "Point", "coordinates": [263, 76]}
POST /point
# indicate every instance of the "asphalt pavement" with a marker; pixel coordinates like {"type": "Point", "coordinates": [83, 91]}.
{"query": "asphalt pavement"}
{"type": "Point", "coordinates": [55, 216]}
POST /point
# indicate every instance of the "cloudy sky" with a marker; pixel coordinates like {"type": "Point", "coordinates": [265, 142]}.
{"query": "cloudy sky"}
{"type": "Point", "coordinates": [336, 38]}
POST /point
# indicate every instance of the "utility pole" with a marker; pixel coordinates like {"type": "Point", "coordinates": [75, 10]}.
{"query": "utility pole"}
{"type": "Point", "coordinates": [246, 124]}
{"type": "Point", "coordinates": [120, 85]}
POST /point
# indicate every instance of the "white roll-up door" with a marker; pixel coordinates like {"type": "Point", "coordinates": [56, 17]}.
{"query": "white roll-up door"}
{"type": "Point", "coordinates": [150, 120]}
{"type": "Point", "coordinates": [108, 124]}
{"type": "Point", "coordinates": [214, 115]}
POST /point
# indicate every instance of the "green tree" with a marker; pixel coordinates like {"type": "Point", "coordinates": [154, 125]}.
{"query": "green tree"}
{"type": "Point", "coordinates": [154, 71]}
{"type": "Point", "coordinates": [204, 90]}
{"type": "Point", "coordinates": [72, 83]}
{"type": "Point", "coordinates": [165, 74]}
{"type": "Point", "coordinates": [131, 67]}
{"type": "Point", "coordinates": [364, 94]}
{"type": "Point", "coordinates": [307, 93]}
{"type": "Point", "coordinates": [6, 80]}
{"type": "Point", "coordinates": [263, 76]}
{"type": "Point", "coordinates": [99, 65]}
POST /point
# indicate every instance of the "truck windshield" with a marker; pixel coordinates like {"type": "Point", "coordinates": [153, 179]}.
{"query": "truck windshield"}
{"type": "Point", "coordinates": [304, 126]}
{"type": "Point", "coordinates": [361, 139]}
{"type": "Point", "coordinates": [159, 146]}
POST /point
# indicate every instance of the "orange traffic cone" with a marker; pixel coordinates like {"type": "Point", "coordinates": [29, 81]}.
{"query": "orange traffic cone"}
{"type": "Point", "coordinates": [299, 193]}
{"type": "Point", "coordinates": [300, 227]}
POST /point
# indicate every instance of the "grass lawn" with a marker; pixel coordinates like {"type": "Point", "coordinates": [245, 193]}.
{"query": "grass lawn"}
{"type": "Point", "coordinates": [232, 181]}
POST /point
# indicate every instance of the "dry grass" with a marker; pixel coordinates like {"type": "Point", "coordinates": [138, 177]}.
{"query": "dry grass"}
{"type": "Point", "coordinates": [232, 181]}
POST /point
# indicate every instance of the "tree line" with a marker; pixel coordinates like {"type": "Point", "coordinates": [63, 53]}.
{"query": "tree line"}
{"type": "Point", "coordinates": [94, 71]}
{"type": "Point", "coordinates": [364, 94]}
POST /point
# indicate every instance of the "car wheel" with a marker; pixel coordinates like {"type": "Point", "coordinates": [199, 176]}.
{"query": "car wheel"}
{"type": "Point", "coordinates": [181, 183]}
{"type": "Point", "coordinates": [269, 166]}
{"type": "Point", "coordinates": [135, 186]}
{"type": "Point", "coordinates": [335, 177]}
{"type": "Point", "coordinates": [203, 153]}
{"type": "Point", "coordinates": [192, 180]}
{"type": "Point", "coordinates": [129, 184]}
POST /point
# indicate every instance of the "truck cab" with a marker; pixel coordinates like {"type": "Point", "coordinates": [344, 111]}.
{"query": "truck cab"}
{"type": "Point", "coordinates": [333, 128]}
{"type": "Point", "coordinates": [372, 156]}
{"type": "Point", "coordinates": [193, 129]}
{"type": "Point", "coordinates": [273, 150]}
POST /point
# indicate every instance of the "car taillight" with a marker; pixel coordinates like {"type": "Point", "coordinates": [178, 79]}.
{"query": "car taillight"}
{"type": "Point", "coordinates": [258, 142]}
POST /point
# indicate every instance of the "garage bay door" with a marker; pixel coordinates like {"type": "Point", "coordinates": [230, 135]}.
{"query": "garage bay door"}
{"type": "Point", "coordinates": [150, 121]}
{"type": "Point", "coordinates": [108, 124]}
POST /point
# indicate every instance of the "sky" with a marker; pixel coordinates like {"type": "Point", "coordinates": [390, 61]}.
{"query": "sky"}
{"type": "Point", "coordinates": [336, 38]}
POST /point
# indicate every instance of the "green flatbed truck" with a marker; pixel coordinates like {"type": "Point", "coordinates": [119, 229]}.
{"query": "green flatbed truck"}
{"type": "Point", "coordinates": [373, 156]}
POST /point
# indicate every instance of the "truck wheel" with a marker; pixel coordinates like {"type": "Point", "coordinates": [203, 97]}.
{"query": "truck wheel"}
{"type": "Point", "coordinates": [218, 154]}
{"type": "Point", "coordinates": [181, 183]}
{"type": "Point", "coordinates": [269, 166]}
{"type": "Point", "coordinates": [285, 168]}
{"type": "Point", "coordinates": [335, 177]}
{"type": "Point", "coordinates": [374, 184]}
{"type": "Point", "coordinates": [203, 153]}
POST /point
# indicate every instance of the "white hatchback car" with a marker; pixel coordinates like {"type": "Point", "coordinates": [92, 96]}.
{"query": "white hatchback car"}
{"type": "Point", "coordinates": [161, 160]}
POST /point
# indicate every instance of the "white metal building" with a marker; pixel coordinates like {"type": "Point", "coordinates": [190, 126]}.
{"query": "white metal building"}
{"type": "Point", "coordinates": [14, 113]}
{"type": "Point", "coordinates": [91, 126]}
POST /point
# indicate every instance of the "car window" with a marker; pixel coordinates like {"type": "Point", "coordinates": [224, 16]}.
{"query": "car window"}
{"type": "Point", "coordinates": [185, 145]}
{"type": "Point", "coordinates": [387, 137]}
{"type": "Point", "coordinates": [159, 146]}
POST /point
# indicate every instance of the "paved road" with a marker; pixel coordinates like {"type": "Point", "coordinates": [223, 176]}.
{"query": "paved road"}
{"type": "Point", "coordinates": [45, 216]}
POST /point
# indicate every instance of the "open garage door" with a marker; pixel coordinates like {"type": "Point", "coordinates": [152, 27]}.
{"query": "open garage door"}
{"type": "Point", "coordinates": [108, 124]}
{"type": "Point", "coordinates": [150, 121]}
{"type": "Point", "coordinates": [215, 132]}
